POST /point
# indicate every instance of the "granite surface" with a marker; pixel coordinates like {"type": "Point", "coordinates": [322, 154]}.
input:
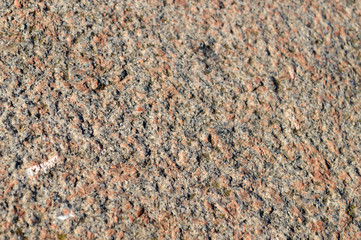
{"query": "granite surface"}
{"type": "Point", "coordinates": [180, 119]}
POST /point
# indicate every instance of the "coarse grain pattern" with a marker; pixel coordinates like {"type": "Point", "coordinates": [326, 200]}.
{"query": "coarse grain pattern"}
{"type": "Point", "coordinates": [180, 119]}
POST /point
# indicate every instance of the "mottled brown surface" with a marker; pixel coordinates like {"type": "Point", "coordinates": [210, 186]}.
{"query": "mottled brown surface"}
{"type": "Point", "coordinates": [180, 119]}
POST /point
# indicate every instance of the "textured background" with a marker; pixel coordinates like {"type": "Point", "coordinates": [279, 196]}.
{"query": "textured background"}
{"type": "Point", "coordinates": [180, 119]}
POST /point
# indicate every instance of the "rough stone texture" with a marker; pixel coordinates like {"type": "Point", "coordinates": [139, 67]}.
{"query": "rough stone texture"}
{"type": "Point", "coordinates": [180, 119]}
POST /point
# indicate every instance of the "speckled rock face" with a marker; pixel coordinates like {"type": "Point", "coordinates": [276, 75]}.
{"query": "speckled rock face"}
{"type": "Point", "coordinates": [180, 119]}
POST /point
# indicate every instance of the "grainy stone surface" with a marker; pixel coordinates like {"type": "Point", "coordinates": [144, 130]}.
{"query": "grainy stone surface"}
{"type": "Point", "coordinates": [180, 119]}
